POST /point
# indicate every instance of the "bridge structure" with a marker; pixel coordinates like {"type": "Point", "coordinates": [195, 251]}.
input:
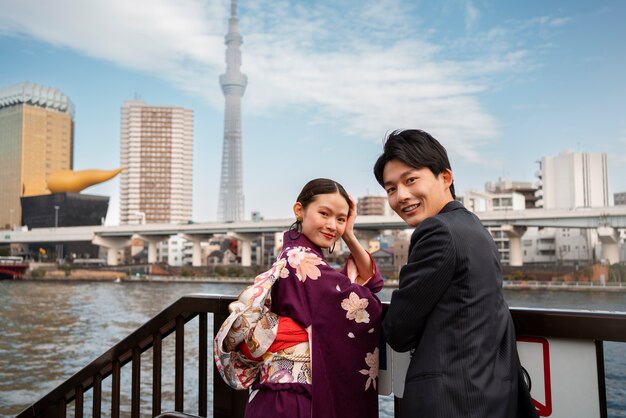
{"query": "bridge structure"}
{"type": "Point", "coordinates": [607, 221]}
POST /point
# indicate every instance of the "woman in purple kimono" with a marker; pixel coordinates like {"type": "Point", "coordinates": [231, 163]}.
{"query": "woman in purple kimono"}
{"type": "Point", "coordinates": [318, 344]}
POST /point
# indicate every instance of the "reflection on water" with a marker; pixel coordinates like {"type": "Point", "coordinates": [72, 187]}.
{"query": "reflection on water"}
{"type": "Point", "coordinates": [48, 331]}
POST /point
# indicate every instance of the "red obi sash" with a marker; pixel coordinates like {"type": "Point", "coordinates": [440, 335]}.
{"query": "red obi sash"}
{"type": "Point", "coordinates": [289, 333]}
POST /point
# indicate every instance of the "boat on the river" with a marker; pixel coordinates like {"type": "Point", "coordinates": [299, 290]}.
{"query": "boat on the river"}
{"type": "Point", "coordinates": [12, 267]}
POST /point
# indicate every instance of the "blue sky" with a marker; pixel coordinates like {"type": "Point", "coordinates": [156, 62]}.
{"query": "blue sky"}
{"type": "Point", "coordinates": [500, 83]}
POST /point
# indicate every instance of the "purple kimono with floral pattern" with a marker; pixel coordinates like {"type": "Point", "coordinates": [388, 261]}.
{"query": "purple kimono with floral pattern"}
{"type": "Point", "coordinates": [343, 320]}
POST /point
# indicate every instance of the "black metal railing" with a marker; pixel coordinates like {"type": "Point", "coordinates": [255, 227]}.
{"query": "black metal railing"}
{"type": "Point", "coordinates": [172, 320]}
{"type": "Point", "coordinates": [596, 326]}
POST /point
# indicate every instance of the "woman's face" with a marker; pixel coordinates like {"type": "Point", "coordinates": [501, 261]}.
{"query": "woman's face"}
{"type": "Point", "coordinates": [324, 219]}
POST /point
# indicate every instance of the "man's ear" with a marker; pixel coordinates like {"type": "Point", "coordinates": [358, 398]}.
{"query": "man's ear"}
{"type": "Point", "coordinates": [298, 209]}
{"type": "Point", "coordinates": [447, 177]}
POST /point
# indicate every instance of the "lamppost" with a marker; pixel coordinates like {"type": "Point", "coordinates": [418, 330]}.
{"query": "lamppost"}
{"type": "Point", "coordinates": [11, 219]}
{"type": "Point", "coordinates": [56, 216]}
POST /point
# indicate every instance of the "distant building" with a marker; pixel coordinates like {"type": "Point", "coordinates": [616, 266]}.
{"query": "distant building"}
{"type": "Point", "coordinates": [175, 251]}
{"type": "Point", "coordinates": [573, 180]}
{"type": "Point", "coordinates": [371, 205]}
{"type": "Point", "coordinates": [525, 188]}
{"type": "Point", "coordinates": [619, 199]}
{"type": "Point", "coordinates": [384, 259]}
{"type": "Point", "coordinates": [400, 251]}
{"type": "Point", "coordinates": [156, 149]}
{"type": "Point", "coordinates": [263, 248]}
{"type": "Point", "coordinates": [562, 246]}
{"type": "Point", "coordinates": [36, 139]}
{"type": "Point", "coordinates": [476, 201]}
{"type": "Point", "coordinates": [570, 180]}
{"type": "Point", "coordinates": [222, 250]}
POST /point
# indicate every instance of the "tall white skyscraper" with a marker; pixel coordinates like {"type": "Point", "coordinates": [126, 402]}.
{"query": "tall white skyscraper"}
{"type": "Point", "coordinates": [233, 82]}
{"type": "Point", "coordinates": [156, 149]}
{"type": "Point", "coordinates": [573, 179]}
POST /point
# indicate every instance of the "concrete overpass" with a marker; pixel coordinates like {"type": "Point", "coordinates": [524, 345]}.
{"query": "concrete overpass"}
{"type": "Point", "coordinates": [607, 221]}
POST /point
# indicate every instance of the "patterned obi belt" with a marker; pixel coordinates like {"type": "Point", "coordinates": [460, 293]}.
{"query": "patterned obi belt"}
{"type": "Point", "coordinates": [288, 359]}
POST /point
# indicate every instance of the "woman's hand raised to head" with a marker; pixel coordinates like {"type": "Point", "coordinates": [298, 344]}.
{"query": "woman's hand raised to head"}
{"type": "Point", "coordinates": [361, 257]}
{"type": "Point", "coordinates": [349, 232]}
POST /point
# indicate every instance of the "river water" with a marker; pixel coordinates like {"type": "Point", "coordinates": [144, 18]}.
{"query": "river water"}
{"type": "Point", "coordinates": [50, 330]}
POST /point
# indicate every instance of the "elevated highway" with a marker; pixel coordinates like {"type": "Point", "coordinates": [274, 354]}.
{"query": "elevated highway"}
{"type": "Point", "coordinates": [607, 221]}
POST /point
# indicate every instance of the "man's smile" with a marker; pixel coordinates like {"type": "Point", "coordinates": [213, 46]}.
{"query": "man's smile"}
{"type": "Point", "coordinates": [411, 208]}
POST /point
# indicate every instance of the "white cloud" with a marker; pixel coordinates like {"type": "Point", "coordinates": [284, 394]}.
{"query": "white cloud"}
{"type": "Point", "coordinates": [363, 68]}
{"type": "Point", "coordinates": [179, 41]}
{"type": "Point", "coordinates": [551, 21]}
{"type": "Point", "coordinates": [472, 15]}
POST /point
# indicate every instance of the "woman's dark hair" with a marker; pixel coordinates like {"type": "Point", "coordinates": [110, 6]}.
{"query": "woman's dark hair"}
{"type": "Point", "coordinates": [321, 186]}
{"type": "Point", "coordinates": [414, 148]}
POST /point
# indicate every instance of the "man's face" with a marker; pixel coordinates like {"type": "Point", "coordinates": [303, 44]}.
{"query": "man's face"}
{"type": "Point", "coordinates": [416, 194]}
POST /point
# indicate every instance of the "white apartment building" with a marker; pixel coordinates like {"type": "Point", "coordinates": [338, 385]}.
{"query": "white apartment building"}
{"type": "Point", "coordinates": [570, 180]}
{"type": "Point", "coordinates": [573, 180]}
{"type": "Point", "coordinates": [156, 149]}
{"type": "Point", "coordinates": [176, 251]}
{"type": "Point", "coordinates": [558, 246]}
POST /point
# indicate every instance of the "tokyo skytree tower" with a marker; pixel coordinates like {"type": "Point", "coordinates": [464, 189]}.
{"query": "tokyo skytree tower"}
{"type": "Point", "coordinates": [233, 84]}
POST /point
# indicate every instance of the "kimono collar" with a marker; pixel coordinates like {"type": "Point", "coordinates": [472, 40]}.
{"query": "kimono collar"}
{"type": "Point", "coordinates": [300, 241]}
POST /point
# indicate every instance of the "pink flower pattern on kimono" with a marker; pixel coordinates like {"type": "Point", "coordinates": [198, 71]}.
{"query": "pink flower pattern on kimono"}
{"type": "Point", "coordinates": [371, 359]}
{"type": "Point", "coordinates": [355, 308]}
{"type": "Point", "coordinates": [305, 263]}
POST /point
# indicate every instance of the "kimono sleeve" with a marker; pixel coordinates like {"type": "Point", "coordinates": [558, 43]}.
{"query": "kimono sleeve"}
{"type": "Point", "coordinates": [374, 283]}
{"type": "Point", "coordinates": [423, 281]}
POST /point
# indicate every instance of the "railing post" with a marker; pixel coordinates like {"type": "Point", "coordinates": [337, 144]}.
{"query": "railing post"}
{"type": "Point", "coordinates": [179, 374]}
{"type": "Point", "coordinates": [115, 389]}
{"type": "Point", "coordinates": [397, 408]}
{"type": "Point", "coordinates": [62, 408]}
{"type": "Point", "coordinates": [78, 402]}
{"type": "Point", "coordinates": [156, 374]}
{"type": "Point", "coordinates": [135, 400]}
{"type": "Point", "coordinates": [202, 365]}
{"type": "Point", "coordinates": [97, 395]}
{"type": "Point", "coordinates": [601, 379]}
{"type": "Point", "coordinates": [227, 402]}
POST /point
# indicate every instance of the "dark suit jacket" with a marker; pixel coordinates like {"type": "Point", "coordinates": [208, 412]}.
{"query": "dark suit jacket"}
{"type": "Point", "coordinates": [449, 310]}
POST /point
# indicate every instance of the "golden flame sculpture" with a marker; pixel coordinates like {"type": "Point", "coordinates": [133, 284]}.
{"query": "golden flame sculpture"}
{"type": "Point", "coordinates": [76, 181]}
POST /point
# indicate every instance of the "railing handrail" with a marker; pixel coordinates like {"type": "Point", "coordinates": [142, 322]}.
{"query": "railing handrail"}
{"type": "Point", "coordinates": [555, 323]}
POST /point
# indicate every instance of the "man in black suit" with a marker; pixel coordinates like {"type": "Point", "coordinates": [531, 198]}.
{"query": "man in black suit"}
{"type": "Point", "coordinates": [449, 310]}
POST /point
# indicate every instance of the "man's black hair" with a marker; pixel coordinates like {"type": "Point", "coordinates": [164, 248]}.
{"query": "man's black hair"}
{"type": "Point", "coordinates": [414, 148]}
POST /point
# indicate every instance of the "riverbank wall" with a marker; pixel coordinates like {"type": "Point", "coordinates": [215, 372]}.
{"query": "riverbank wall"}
{"type": "Point", "coordinates": [117, 276]}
